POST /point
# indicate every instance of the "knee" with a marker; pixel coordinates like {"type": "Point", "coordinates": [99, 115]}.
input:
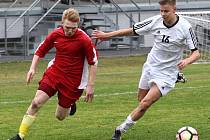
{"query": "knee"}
{"type": "Point", "coordinates": [144, 105]}
{"type": "Point", "coordinates": [35, 104]}
{"type": "Point", "coordinates": [60, 117]}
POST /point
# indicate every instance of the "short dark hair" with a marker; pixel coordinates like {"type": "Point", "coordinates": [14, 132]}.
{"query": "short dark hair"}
{"type": "Point", "coordinates": [170, 2]}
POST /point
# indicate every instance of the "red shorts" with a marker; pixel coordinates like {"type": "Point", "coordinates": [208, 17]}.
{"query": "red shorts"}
{"type": "Point", "coordinates": [51, 88]}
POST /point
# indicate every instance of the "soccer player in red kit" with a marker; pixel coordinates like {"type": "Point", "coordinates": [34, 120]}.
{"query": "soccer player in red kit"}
{"type": "Point", "coordinates": [68, 75]}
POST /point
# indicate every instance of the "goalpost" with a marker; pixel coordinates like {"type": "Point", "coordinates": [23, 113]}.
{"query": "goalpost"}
{"type": "Point", "coordinates": [200, 22]}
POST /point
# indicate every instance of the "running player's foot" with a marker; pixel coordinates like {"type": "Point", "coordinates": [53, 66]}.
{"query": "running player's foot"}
{"type": "Point", "coordinates": [116, 135]}
{"type": "Point", "coordinates": [73, 109]}
{"type": "Point", "coordinates": [17, 137]}
{"type": "Point", "coordinates": [181, 78]}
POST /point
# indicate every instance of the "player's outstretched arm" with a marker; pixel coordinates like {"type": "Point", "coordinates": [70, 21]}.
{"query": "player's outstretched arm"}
{"type": "Point", "coordinates": [90, 86]}
{"type": "Point", "coordinates": [32, 69]}
{"type": "Point", "coordinates": [104, 36]}
{"type": "Point", "coordinates": [195, 55]}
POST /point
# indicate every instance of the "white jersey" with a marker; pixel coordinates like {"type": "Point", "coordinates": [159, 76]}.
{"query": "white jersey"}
{"type": "Point", "coordinates": [169, 43]}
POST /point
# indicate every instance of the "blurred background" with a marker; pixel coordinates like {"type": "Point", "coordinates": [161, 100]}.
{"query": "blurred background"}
{"type": "Point", "coordinates": [25, 23]}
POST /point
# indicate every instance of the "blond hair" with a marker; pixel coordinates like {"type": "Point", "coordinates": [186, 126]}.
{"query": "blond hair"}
{"type": "Point", "coordinates": [170, 2]}
{"type": "Point", "coordinates": [71, 15]}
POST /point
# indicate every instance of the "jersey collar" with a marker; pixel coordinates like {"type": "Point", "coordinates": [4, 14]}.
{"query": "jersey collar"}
{"type": "Point", "coordinates": [172, 24]}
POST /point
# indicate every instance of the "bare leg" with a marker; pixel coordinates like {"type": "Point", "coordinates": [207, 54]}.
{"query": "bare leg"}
{"type": "Point", "coordinates": [145, 102]}
{"type": "Point", "coordinates": [40, 99]}
{"type": "Point", "coordinates": [61, 112]}
{"type": "Point", "coordinates": [146, 99]}
{"type": "Point", "coordinates": [142, 93]}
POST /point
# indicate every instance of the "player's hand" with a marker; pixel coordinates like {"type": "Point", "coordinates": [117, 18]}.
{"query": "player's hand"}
{"type": "Point", "coordinates": [30, 75]}
{"type": "Point", "coordinates": [89, 93]}
{"type": "Point", "coordinates": [96, 34]}
{"type": "Point", "coordinates": [182, 64]}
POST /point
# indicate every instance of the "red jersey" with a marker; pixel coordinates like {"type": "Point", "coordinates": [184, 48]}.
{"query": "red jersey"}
{"type": "Point", "coordinates": [73, 54]}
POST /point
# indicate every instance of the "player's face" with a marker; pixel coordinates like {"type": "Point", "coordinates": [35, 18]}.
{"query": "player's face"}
{"type": "Point", "coordinates": [69, 27]}
{"type": "Point", "coordinates": [167, 12]}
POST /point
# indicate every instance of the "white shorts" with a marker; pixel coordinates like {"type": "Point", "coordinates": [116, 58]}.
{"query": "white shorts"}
{"type": "Point", "coordinates": [164, 83]}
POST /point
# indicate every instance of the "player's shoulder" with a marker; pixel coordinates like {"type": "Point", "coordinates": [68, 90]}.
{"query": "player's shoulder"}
{"type": "Point", "coordinates": [83, 35]}
{"type": "Point", "coordinates": [157, 17]}
{"type": "Point", "coordinates": [57, 31]}
{"type": "Point", "coordinates": [154, 18]}
{"type": "Point", "coordinates": [184, 22]}
{"type": "Point", "coordinates": [148, 22]}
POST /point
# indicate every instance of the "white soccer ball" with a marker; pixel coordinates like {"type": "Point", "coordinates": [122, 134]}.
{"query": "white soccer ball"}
{"type": "Point", "coordinates": [187, 133]}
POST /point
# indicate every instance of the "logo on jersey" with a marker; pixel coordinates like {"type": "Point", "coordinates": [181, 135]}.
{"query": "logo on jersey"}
{"type": "Point", "coordinates": [158, 32]}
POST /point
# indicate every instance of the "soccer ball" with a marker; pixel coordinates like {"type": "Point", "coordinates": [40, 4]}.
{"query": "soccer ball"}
{"type": "Point", "coordinates": [187, 133]}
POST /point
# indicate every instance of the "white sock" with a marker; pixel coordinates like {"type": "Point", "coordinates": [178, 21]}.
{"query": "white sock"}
{"type": "Point", "coordinates": [126, 124]}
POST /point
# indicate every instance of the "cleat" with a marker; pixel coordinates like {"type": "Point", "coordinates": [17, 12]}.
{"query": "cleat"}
{"type": "Point", "coordinates": [116, 135]}
{"type": "Point", "coordinates": [17, 137]}
{"type": "Point", "coordinates": [73, 109]}
{"type": "Point", "coordinates": [181, 78]}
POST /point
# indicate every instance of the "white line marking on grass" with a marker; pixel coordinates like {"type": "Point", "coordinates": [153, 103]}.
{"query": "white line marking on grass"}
{"type": "Point", "coordinates": [101, 95]}
{"type": "Point", "coordinates": [116, 73]}
{"type": "Point", "coordinates": [191, 87]}
{"type": "Point", "coordinates": [114, 94]}
{"type": "Point", "coordinates": [15, 102]}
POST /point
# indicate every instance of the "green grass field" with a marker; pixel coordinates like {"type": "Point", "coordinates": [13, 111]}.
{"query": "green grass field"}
{"type": "Point", "coordinates": [115, 98]}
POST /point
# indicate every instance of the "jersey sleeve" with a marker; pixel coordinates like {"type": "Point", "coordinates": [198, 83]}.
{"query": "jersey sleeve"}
{"type": "Point", "coordinates": [144, 27]}
{"type": "Point", "coordinates": [90, 52]}
{"type": "Point", "coordinates": [191, 39]}
{"type": "Point", "coordinates": [45, 45]}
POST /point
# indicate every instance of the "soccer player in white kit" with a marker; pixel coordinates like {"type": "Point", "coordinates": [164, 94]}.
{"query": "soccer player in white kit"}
{"type": "Point", "coordinates": [172, 34]}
